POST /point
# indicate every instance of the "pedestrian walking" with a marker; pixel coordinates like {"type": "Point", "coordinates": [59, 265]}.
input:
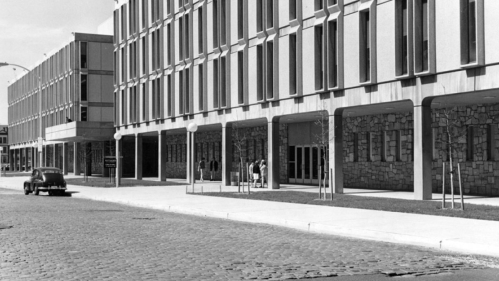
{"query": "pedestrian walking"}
{"type": "Point", "coordinates": [263, 171]}
{"type": "Point", "coordinates": [256, 173]}
{"type": "Point", "coordinates": [201, 167]}
{"type": "Point", "coordinates": [250, 172]}
{"type": "Point", "coordinates": [213, 168]}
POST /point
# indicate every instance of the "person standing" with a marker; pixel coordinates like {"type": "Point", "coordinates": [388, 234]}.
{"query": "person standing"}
{"type": "Point", "coordinates": [201, 167]}
{"type": "Point", "coordinates": [256, 173]}
{"type": "Point", "coordinates": [213, 168]}
{"type": "Point", "coordinates": [250, 172]}
{"type": "Point", "coordinates": [263, 170]}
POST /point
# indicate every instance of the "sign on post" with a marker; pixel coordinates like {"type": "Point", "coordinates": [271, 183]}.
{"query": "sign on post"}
{"type": "Point", "coordinates": [110, 162]}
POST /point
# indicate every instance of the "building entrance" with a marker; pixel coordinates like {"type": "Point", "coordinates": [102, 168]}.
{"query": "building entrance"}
{"type": "Point", "coordinates": [304, 163]}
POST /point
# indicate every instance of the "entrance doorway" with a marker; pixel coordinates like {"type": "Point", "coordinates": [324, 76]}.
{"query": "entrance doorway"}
{"type": "Point", "coordinates": [304, 163]}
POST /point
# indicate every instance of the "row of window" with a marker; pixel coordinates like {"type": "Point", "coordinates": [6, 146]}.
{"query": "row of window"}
{"type": "Point", "coordinates": [206, 150]}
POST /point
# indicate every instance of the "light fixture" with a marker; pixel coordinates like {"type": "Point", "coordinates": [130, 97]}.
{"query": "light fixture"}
{"type": "Point", "coordinates": [389, 108]}
{"type": "Point", "coordinates": [488, 97]}
{"type": "Point", "coordinates": [117, 136]}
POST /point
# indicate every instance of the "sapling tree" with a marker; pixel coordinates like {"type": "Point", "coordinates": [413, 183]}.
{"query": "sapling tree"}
{"type": "Point", "coordinates": [454, 134]}
{"type": "Point", "coordinates": [239, 140]}
{"type": "Point", "coordinates": [322, 140]}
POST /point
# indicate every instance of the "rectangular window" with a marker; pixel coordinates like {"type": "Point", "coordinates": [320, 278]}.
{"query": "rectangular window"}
{"type": "Point", "coordinates": [319, 60]}
{"type": "Point", "coordinates": [169, 95]}
{"type": "Point", "coordinates": [168, 7]}
{"type": "Point", "coordinates": [240, 19]}
{"type": "Point", "coordinates": [143, 101]}
{"type": "Point", "coordinates": [491, 131]}
{"type": "Point", "coordinates": [470, 144]}
{"type": "Point", "coordinates": [200, 87]}
{"type": "Point", "coordinates": [468, 31]}
{"type": "Point", "coordinates": [131, 105]}
{"type": "Point", "coordinates": [169, 38]}
{"type": "Point", "coordinates": [333, 54]}
{"type": "Point", "coordinates": [157, 101]}
{"type": "Point", "coordinates": [187, 90]}
{"type": "Point", "coordinates": [123, 25]}
{"type": "Point", "coordinates": [259, 73]}
{"type": "Point", "coordinates": [83, 93]}
{"type": "Point", "coordinates": [292, 65]}
{"type": "Point", "coordinates": [144, 55]}
{"type": "Point", "coordinates": [215, 23]}
{"type": "Point", "coordinates": [270, 13]}
{"type": "Point", "coordinates": [215, 83]}
{"type": "Point", "coordinates": [83, 54]}
{"type": "Point", "coordinates": [181, 38]}
{"type": "Point", "coordinates": [270, 70]}
{"type": "Point", "coordinates": [186, 36]}
{"type": "Point", "coordinates": [83, 116]}
{"type": "Point", "coordinates": [223, 25]}
{"type": "Point", "coordinates": [401, 33]}
{"type": "Point", "coordinates": [319, 5]}
{"type": "Point", "coordinates": [153, 92]}
{"type": "Point", "coordinates": [355, 147]}
{"type": "Point", "coordinates": [421, 37]}
{"type": "Point", "coordinates": [259, 15]}
{"type": "Point", "coordinates": [181, 91]}
{"type": "Point", "coordinates": [223, 84]}
{"type": "Point", "coordinates": [144, 13]}
{"type": "Point", "coordinates": [292, 10]}
{"type": "Point", "coordinates": [123, 65]}
{"type": "Point", "coordinates": [332, 2]}
{"type": "Point", "coordinates": [365, 47]}
{"type": "Point", "coordinates": [240, 77]}
{"type": "Point", "coordinates": [200, 30]}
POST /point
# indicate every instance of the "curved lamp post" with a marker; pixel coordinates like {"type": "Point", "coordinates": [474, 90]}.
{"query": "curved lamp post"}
{"type": "Point", "coordinates": [40, 137]}
{"type": "Point", "coordinates": [117, 137]}
{"type": "Point", "coordinates": [192, 128]}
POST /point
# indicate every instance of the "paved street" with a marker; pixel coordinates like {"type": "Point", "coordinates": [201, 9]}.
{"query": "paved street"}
{"type": "Point", "coordinates": [64, 238]}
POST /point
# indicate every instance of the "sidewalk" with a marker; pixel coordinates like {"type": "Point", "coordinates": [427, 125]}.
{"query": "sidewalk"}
{"type": "Point", "coordinates": [446, 233]}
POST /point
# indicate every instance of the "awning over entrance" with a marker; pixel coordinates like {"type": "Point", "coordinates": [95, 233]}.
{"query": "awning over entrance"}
{"type": "Point", "coordinates": [80, 131]}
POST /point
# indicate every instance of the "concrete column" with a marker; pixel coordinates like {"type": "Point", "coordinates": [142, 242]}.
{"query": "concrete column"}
{"type": "Point", "coordinates": [226, 164]}
{"type": "Point", "coordinates": [24, 159]}
{"type": "Point", "coordinates": [189, 152]}
{"type": "Point", "coordinates": [76, 159]}
{"type": "Point", "coordinates": [138, 156]}
{"type": "Point", "coordinates": [336, 153]}
{"type": "Point", "coordinates": [422, 152]}
{"type": "Point", "coordinates": [273, 155]}
{"type": "Point", "coordinates": [119, 162]}
{"type": "Point", "coordinates": [65, 158]}
{"type": "Point", "coordinates": [162, 155]}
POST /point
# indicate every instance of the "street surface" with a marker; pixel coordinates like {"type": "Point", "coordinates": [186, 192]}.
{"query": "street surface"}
{"type": "Point", "coordinates": [64, 238]}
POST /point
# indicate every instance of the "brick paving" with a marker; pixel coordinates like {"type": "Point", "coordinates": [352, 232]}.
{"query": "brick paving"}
{"type": "Point", "coordinates": [63, 238]}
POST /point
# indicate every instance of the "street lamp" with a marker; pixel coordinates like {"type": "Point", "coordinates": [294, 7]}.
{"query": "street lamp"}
{"type": "Point", "coordinates": [117, 137]}
{"type": "Point", "coordinates": [192, 128]}
{"type": "Point", "coordinates": [40, 137]}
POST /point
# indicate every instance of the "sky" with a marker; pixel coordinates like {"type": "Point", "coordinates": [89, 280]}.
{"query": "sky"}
{"type": "Point", "coordinates": [30, 28]}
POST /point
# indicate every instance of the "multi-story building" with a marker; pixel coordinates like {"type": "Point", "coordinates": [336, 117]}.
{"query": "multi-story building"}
{"type": "Point", "coordinates": [382, 72]}
{"type": "Point", "coordinates": [71, 91]}
{"type": "Point", "coordinates": [4, 146]}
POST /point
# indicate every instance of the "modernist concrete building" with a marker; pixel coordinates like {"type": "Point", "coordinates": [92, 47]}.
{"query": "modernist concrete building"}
{"type": "Point", "coordinates": [4, 146]}
{"type": "Point", "coordinates": [383, 72]}
{"type": "Point", "coordinates": [71, 91]}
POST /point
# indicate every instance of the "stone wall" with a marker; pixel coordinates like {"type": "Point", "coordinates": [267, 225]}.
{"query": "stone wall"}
{"type": "Point", "coordinates": [367, 165]}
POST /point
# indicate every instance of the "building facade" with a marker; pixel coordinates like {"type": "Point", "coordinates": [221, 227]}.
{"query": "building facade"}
{"type": "Point", "coordinates": [367, 82]}
{"type": "Point", "coordinates": [60, 113]}
{"type": "Point", "coordinates": [4, 146]}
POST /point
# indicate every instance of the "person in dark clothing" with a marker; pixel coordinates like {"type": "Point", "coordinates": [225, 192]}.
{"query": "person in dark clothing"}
{"type": "Point", "coordinates": [213, 168]}
{"type": "Point", "coordinates": [256, 173]}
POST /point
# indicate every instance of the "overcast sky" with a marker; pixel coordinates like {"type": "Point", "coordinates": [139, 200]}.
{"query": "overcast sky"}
{"type": "Point", "coordinates": [30, 28]}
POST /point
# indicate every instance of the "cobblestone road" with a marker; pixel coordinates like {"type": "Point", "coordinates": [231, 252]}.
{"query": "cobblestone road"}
{"type": "Point", "coordinates": [62, 238]}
